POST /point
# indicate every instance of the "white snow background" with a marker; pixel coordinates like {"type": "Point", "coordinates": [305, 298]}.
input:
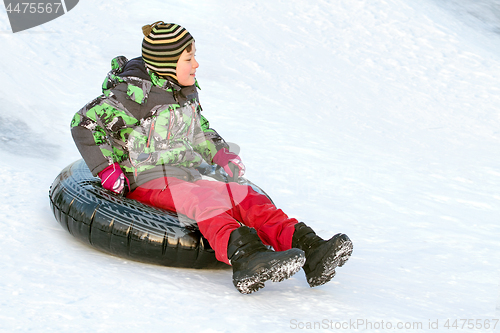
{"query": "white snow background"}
{"type": "Point", "coordinates": [376, 118]}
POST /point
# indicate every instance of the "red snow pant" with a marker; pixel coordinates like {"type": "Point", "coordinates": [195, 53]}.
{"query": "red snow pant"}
{"type": "Point", "coordinates": [217, 208]}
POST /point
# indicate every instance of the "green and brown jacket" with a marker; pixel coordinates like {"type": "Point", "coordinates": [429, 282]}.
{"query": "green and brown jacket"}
{"type": "Point", "coordinates": [150, 125]}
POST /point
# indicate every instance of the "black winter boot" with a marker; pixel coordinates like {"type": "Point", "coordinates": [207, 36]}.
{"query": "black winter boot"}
{"type": "Point", "coordinates": [253, 263]}
{"type": "Point", "coordinates": [322, 257]}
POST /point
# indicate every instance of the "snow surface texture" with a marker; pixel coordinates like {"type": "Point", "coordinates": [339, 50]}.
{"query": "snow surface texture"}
{"type": "Point", "coordinates": [378, 119]}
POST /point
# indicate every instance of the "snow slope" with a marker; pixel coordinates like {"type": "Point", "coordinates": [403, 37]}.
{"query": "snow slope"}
{"type": "Point", "coordinates": [379, 119]}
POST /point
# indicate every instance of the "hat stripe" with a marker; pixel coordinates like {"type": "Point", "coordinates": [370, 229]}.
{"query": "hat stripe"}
{"type": "Point", "coordinates": [170, 38]}
{"type": "Point", "coordinates": [163, 64]}
{"type": "Point", "coordinates": [163, 59]}
{"type": "Point", "coordinates": [162, 68]}
{"type": "Point", "coordinates": [157, 30]}
{"type": "Point", "coordinates": [172, 47]}
{"type": "Point", "coordinates": [163, 52]}
{"type": "Point", "coordinates": [166, 27]}
{"type": "Point", "coordinates": [164, 71]}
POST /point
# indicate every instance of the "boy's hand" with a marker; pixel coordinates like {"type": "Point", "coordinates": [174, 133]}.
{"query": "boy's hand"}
{"type": "Point", "coordinates": [224, 157]}
{"type": "Point", "coordinates": [113, 178]}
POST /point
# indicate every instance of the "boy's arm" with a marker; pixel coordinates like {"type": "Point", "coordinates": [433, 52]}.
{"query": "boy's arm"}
{"type": "Point", "coordinates": [211, 143]}
{"type": "Point", "coordinates": [91, 140]}
{"type": "Point", "coordinates": [90, 152]}
{"type": "Point", "coordinates": [220, 154]}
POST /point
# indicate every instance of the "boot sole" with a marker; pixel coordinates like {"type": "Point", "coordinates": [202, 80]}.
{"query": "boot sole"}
{"type": "Point", "coordinates": [340, 251]}
{"type": "Point", "coordinates": [279, 270]}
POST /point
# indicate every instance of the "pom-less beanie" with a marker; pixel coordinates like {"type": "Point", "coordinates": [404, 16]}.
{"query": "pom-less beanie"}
{"type": "Point", "coordinates": [162, 46]}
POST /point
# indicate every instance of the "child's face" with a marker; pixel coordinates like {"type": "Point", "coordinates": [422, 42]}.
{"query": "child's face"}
{"type": "Point", "coordinates": [186, 67]}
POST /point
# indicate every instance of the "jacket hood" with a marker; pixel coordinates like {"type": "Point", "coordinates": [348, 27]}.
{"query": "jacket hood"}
{"type": "Point", "coordinates": [135, 67]}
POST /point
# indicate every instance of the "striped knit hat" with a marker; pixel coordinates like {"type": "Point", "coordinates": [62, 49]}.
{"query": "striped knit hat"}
{"type": "Point", "coordinates": [162, 46]}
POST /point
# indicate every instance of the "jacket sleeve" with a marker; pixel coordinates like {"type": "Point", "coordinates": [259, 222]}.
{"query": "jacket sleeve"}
{"type": "Point", "coordinates": [91, 138]}
{"type": "Point", "coordinates": [212, 141]}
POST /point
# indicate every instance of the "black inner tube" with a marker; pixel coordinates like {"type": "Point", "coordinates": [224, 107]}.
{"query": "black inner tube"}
{"type": "Point", "coordinates": [125, 227]}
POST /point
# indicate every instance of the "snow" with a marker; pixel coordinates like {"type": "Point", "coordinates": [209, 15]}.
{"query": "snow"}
{"type": "Point", "coordinates": [379, 119]}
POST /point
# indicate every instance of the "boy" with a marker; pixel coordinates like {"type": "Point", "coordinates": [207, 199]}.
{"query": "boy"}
{"type": "Point", "coordinates": [145, 137]}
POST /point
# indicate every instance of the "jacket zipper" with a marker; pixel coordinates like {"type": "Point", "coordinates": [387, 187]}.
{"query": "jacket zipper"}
{"type": "Point", "coordinates": [151, 129]}
{"type": "Point", "coordinates": [192, 120]}
{"type": "Point", "coordinates": [170, 124]}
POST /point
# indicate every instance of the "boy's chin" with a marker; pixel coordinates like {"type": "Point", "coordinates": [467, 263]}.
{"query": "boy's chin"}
{"type": "Point", "coordinates": [187, 83]}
